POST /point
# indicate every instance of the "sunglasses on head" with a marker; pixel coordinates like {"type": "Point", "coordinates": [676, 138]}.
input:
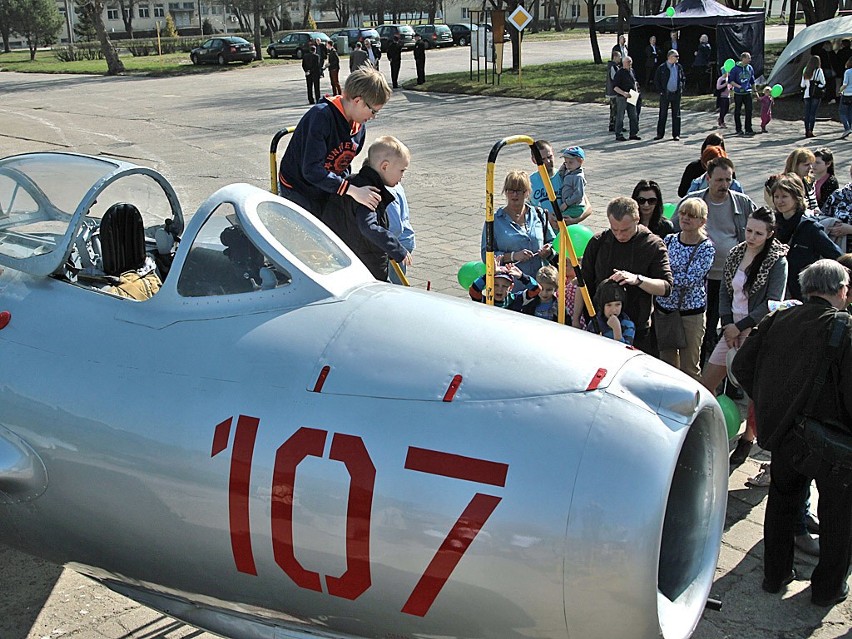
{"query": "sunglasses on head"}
{"type": "Point", "coordinates": [646, 200]}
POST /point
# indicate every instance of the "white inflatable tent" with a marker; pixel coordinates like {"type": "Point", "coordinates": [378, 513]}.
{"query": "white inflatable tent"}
{"type": "Point", "coordinates": [788, 69]}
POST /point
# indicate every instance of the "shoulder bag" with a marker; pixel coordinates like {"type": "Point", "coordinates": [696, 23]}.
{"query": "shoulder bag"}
{"type": "Point", "coordinates": [817, 89]}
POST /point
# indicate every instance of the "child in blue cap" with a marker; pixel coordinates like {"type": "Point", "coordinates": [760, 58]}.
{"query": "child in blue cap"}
{"type": "Point", "coordinates": [573, 181]}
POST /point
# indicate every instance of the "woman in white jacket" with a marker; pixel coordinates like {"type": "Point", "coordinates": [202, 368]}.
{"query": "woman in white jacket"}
{"type": "Point", "coordinates": [813, 82]}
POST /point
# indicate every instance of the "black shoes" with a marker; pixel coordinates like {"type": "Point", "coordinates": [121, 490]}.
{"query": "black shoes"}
{"type": "Point", "coordinates": [676, 138]}
{"type": "Point", "coordinates": [741, 452]}
{"type": "Point", "coordinates": [635, 137]}
{"type": "Point", "coordinates": [620, 138]}
{"type": "Point", "coordinates": [658, 137]}
{"type": "Point", "coordinates": [774, 589]}
{"type": "Point", "coordinates": [830, 601]}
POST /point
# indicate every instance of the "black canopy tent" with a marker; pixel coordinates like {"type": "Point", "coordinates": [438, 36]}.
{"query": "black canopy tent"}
{"type": "Point", "coordinates": [731, 32]}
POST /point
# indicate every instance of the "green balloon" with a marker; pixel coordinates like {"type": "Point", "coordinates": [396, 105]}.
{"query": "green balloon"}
{"type": "Point", "coordinates": [731, 411]}
{"type": "Point", "coordinates": [729, 64]}
{"type": "Point", "coordinates": [469, 272]}
{"type": "Point", "coordinates": [777, 90]}
{"type": "Point", "coordinates": [580, 236]}
{"type": "Point", "coordinates": [670, 12]}
{"type": "Point", "coordinates": [668, 210]}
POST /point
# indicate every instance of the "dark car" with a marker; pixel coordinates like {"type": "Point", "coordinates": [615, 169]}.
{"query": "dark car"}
{"type": "Point", "coordinates": [295, 44]}
{"type": "Point", "coordinates": [357, 35]}
{"type": "Point", "coordinates": [607, 24]}
{"type": "Point", "coordinates": [222, 51]}
{"type": "Point", "coordinates": [388, 31]}
{"type": "Point", "coordinates": [435, 35]}
{"type": "Point", "coordinates": [462, 33]}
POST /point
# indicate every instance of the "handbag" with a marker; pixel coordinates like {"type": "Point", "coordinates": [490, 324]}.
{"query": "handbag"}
{"type": "Point", "coordinates": [826, 442]}
{"type": "Point", "coordinates": [817, 90]}
{"type": "Point", "coordinates": [668, 325]}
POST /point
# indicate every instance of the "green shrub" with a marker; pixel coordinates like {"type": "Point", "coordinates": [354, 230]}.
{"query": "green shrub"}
{"type": "Point", "coordinates": [84, 51]}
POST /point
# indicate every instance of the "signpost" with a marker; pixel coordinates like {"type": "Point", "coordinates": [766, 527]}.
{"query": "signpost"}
{"type": "Point", "coordinates": [519, 18]}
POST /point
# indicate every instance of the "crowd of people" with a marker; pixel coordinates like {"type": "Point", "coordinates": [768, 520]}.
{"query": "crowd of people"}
{"type": "Point", "coordinates": [695, 289]}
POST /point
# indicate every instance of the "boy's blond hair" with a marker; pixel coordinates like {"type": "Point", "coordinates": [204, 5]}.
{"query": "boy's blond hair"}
{"type": "Point", "coordinates": [368, 84]}
{"type": "Point", "coordinates": [384, 148]}
{"type": "Point", "coordinates": [547, 275]}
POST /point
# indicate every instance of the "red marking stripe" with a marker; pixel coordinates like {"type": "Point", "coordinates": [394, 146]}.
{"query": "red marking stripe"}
{"type": "Point", "coordinates": [436, 462]}
{"type": "Point", "coordinates": [596, 380]}
{"type": "Point", "coordinates": [452, 388]}
{"type": "Point", "coordinates": [450, 553]}
{"type": "Point", "coordinates": [239, 490]}
{"type": "Point", "coordinates": [5, 316]}
{"type": "Point", "coordinates": [221, 436]}
{"type": "Point", "coordinates": [321, 378]}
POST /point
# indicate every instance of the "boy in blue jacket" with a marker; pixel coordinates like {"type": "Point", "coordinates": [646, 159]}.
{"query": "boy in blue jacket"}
{"type": "Point", "coordinates": [504, 280]}
{"type": "Point", "coordinates": [610, 321]}
{"type": "Point", "coordinates": [316, 163]}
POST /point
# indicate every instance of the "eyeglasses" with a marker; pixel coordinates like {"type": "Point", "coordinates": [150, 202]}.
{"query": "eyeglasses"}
{"type": "Point", "coordinates": [646, 200]}
{"type": "Point", "coordinates": [691, 216]}
{"type": "Point", "coordinates": [517, 191]}
{"type": "Point", "coordinates": [372, 110]}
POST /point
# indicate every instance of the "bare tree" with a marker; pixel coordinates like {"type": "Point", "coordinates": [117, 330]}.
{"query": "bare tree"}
{"type": "Point", "coordinates": [593, 31]}
{"type": "Point", "coordinates": [127, 7]}
{"type": "Point", "coordinates": [5, 23]}
{"type": "Point", "coordinates": [94, 10]}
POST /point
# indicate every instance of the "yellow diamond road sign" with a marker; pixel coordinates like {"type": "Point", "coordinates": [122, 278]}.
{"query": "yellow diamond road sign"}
{"type": "Point", "coordinates": [520, 17]}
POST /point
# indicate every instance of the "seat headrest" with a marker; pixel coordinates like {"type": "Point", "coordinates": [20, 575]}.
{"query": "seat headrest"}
{"type": "Point", "coordinates": [122, 237]}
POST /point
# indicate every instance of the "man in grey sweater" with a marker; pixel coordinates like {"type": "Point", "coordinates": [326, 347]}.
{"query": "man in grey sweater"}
{"type": "Point", "coordinates": [726, 220]}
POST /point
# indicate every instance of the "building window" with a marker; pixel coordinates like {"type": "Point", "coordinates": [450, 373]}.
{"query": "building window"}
{"type": "Point", "coordinates": [174, 6]}
{"type": "Point", "coordinates": [144, 11]}
{"type": "Point", "coordinates": [189, 5]}
{"type": "Point", "coordinates": [112, 13]}
{"type": "Point", "coordinates": [465, 15]}
{"type": "Point", "coordinates": [215, 10]}
{"type": "Point", "coordinates": [600, 10]}
{"type": "Point", "coordinates": [575, 10]}
{"type": "Point", "coordinates": [158, 11]}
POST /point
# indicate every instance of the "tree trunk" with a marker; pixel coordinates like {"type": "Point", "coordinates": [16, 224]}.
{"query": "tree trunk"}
{"type": "Point", "coordinates": [791, 22]}
{"type": "Point", "coordinates": [258, 45]}
{"type": "Point", "coordinates": [32, 46]}
{"type": "Point", "coordinates": [593, 34]}
{"type": "Point", "coordinates": [307, 14]}
{"type": "Point", "coordinates": [4, 32]}
{"type": "Point", "coordinates": [536, 14]}
{"type": "Point", "coordinates": [114, 63]}
{"type": "Point", "coordinates": [555, 11]}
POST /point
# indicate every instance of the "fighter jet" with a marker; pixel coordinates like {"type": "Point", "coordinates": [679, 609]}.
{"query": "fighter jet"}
{"type": "Point", "coordinates": [230, 421]}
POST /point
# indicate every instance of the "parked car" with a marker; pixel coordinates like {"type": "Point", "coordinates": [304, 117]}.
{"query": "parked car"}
{"type": "Point", "coordinates": [222, 51]}
{"type": "Point", "coordinates": [462, 33]}
{"type": "Point", "coordinates": [388, 31]}
{"type": "Point", "coordinates": [356, 35]}
{"type": "Point", "coordinates": [295, 44]}
{"type": "Point", "coordinates": [607, 24]}
{"type": "Point", "coordinates": [435, 35]}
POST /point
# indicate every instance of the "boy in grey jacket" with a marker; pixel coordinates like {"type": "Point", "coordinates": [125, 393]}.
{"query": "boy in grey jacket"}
{"type": "Point", "coordinates": [573, 181]}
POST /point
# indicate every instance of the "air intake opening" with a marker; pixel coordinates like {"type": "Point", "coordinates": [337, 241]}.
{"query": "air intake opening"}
{"type": "Point", "coordinates": [693, 524]}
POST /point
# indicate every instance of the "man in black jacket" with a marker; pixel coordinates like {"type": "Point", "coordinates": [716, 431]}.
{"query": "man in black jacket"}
{"type": "Point", "coordinates": [395, 57]}
{"type": "Point", "coordinates": [777, 366]}
{"type": "Point", "coordinates": [420, 58]}
{"type": "Point", "coordinates": [669, 79]}
{"type": "Point", "coordinates": [313, 69]}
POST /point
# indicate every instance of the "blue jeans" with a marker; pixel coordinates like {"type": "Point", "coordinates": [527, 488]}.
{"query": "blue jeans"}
{"type": "Point", "coordinates": [846, 112]}
{"type": "Point", "coordinates": [811, 107]}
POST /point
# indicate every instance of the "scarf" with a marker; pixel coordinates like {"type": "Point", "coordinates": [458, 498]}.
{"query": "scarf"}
{"type": "Point", "coordinates": [776, 251]}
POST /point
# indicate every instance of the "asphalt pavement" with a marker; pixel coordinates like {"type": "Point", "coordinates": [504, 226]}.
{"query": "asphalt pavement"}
{"type": "Point", "coordinates": [205, 131]}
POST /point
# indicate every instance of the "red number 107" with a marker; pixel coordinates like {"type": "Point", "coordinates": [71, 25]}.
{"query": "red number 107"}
{"type": "Point", "coordinates": [349, 450]}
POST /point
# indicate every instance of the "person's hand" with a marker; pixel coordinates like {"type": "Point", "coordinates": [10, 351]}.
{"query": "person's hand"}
{"type": "Point", "coordinates": [625, 278]}
{"type": "Point", "coordinates": [613, 322]}
{"type": "Point", "coordinates": [407, 260]}
{"type": "Point", "coordinates": [742, 336]}
{"type": "Point", "coordinates": [523, 256]}
{"type": "Point", "coordinates": [514, 271]}
{"type": "Point", "coordinates": [546, 251]}
{"type": "Point", "coordinates": [366, 195]}
{"type": "Point", "coordinates": [731, 333]}
{"type": "Point", "coordinates": [839, 230]}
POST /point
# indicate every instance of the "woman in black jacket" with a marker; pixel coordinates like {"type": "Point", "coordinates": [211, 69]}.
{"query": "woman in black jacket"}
{"type": "Point", "coordinates": [805, 236]}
